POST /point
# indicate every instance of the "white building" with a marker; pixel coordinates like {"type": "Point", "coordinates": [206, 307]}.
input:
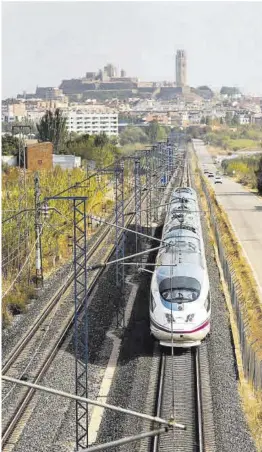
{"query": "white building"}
{"type": "Point", "coordinates": [92, 122]}
{"type": "Point", "coordinates": [35, 115]}
{"type": "Point", "coordinates": [66, 161]}
{"type": "Point", "coordinates": [243, 119]}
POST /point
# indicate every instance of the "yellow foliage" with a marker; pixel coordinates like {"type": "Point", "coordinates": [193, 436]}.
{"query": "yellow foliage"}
{"type": "Point", "coordinates": [56, 228]}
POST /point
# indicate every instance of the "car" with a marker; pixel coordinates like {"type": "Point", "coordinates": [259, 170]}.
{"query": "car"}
{"type": "Point", "coordinates": [218, 180]}
{"type": "Point", "coordinates": [206, 171]}
{"type": "Point", "coordinates": [210, 175]}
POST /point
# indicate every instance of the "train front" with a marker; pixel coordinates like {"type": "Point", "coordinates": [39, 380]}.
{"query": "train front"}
{"type": "Point", "coordinates": [180, 305]}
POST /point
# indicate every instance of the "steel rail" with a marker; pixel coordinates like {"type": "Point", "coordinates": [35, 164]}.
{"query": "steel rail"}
{"type": "Point", "coordinates": [159, 397]}
{"type": "Point", "coordinates": [199, 405]}
{"type": "Point", "coordinates": [52, 352]}
{"type": "Point", "coordinates": [52, 303]}
{"type": "Point", "coordinates": [22, 344]}
{"type": "Point", "coordinates": [46, 363]}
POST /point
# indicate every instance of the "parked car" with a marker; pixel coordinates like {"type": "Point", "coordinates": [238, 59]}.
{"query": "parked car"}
{"type": "Point", "coordinates": [218, 180]}
{"type": "Point", "coordinates": [210, 175]}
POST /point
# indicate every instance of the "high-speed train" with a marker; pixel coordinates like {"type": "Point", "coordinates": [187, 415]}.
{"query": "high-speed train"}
{"type": "Point", "coordinates": [179, 300]}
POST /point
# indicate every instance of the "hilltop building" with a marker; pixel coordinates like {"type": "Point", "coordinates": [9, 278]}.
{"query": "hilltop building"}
{"type": "Point", "coordinates": [181, 67]}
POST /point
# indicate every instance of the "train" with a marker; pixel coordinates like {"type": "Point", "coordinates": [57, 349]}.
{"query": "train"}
{"type": "Point", "coordinates": [180, 303]}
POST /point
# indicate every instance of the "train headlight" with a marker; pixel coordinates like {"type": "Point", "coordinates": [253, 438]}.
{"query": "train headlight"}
{"type": "Point", "coordinates": [190, 317]}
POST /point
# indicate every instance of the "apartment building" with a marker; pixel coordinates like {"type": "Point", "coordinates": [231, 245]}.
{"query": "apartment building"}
{"type": "Point", "coordinates": [92, 122]}
{"type": "Point", "coordinates": [13, 112]}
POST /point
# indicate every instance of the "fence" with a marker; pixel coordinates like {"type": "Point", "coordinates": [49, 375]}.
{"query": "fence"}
{"type": "Point", "coordinates": [249, 350]}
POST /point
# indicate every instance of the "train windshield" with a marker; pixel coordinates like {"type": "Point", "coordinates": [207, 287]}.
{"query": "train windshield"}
{"type": "Point", "coordinates": [180, 289]}
{"type": "Point", "coordinates": [180, 295]}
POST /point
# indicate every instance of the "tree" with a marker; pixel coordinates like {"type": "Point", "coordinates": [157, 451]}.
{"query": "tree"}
{"type": "Point", "coordinates": [228, 118]}
{"type": "Point", "coordinates": [152, 131]}
{"type": "Point", "coordinates": [259, 176]}
{"type": "Point", "coordinates": [157, 132]}
{"type": "Point", "coordinates": [132, 134]}
{"type": "Point", "coordinates": [235, 120]}
{"type": "Point", "coordinates": [10, 145]}
{"type": "Point", "coordinates": [52, 127]}
{"type": "Point", "coordinates": [101, 140]}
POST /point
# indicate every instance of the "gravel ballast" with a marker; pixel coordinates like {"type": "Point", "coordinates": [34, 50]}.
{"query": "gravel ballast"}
{"type": "Point", "coordinates": [231, 429]}
{"type": "Point", "coordinates": [52, 426]}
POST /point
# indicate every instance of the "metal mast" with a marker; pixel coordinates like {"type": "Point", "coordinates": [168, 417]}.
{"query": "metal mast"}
{"type": "Point", "coordinates": [120, 238]}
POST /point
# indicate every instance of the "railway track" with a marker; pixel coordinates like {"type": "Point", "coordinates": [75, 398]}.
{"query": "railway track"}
{"type": "Point", "coordinates": [179, 397]}
{"type": "Point", "coordinates": [179, 394]}
{"type": "Point", "coordinates": [33, 354]}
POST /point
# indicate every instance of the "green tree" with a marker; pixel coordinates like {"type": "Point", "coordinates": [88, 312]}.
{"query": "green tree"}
{"type": "Point", "coordinates": [10, 145]}
{"type": "Point", "coordinates": [235, 121]}
{"type": "Point", "coordinates": [228, 118]}
{"type": "Point", "coordinates": [132, 134]}
{"type": "Point", "coordinates": [52, 127]}
{"type": "Point", "coordinates": [101, 140]}
{"type": "Point", "coordinates": [259, 176]}
{"type": "Point", "coordinates": [152, 131]}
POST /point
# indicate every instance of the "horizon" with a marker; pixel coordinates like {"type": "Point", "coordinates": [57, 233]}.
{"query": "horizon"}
{"type": "Point", "coordinates": [143, 41]}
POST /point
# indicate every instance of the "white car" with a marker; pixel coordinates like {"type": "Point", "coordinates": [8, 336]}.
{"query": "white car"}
{"type": "Point", "coordinates": [218, 180]}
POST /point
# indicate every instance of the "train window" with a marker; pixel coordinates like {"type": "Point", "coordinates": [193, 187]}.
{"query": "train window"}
{"type": "Point", "coordinates": [184, 190]}
{"type": "Point", "coordinates": [180, 295]}
{"type": "Point", "coordinates": [180, 288]}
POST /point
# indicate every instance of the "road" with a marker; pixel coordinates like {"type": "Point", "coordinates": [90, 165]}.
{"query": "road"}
{"type": "Point", "coordinates": [244, 210]}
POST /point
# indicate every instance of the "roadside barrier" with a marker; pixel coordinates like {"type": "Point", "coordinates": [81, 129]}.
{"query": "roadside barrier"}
{"type": "Point", "coordinates": [246, 306]}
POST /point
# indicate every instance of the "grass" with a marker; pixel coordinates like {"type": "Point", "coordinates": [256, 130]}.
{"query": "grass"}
{"type": "Point", "coordinates": [242, 143]}
{"type": "Point", "coordinates": [248, 295]}
{"type": "Point", "coordinates": [251, 399]}
{"type": "Point", "coordinates": [16, 301]}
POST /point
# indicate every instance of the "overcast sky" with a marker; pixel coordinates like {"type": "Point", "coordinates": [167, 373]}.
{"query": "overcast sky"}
{"type": "Point", "coordinates": [45, 42]}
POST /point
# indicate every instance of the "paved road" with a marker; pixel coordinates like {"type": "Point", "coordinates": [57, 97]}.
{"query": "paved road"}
{"type": "Point", "coordinates": [244, 210]}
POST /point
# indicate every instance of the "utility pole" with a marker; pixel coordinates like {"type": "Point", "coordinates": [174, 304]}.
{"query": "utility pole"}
{"type": "Point", "coordinates": [38, 247]}
{"type": "Point", "coordinates": [23, 223]}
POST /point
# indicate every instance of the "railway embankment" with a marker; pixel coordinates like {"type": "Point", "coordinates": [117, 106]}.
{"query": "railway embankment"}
{"type": "Point", "coordinates": [243, 303]}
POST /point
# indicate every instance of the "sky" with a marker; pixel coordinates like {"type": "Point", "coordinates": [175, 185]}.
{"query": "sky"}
{"type": "Point", "coordinates": [45, 42]}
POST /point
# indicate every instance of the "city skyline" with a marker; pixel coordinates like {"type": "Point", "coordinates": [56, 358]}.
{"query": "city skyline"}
{"type": "Point", "coordinates": [221, 40]}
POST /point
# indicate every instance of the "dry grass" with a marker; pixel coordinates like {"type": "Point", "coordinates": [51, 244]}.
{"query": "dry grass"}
{"type": "Point", "coordinates": [251, 399]}
{"type": "Point", "coordinates": [16, 301]}
{"type": "Point", "coordinates": [214, 151]}
{"type": "Point", "coordinates": [248, 295]}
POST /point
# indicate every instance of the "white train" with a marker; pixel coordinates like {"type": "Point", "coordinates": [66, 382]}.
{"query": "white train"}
{"type": "Point", "coordinates": [179, 300]}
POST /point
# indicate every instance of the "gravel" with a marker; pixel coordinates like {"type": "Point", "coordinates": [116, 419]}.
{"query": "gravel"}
{"type": "Point", "coordinates": [231, 430]}
{"type": "Point", "coordinates": [52, 426]}
{"type": "Point", "coordinates": [19, 326]}
{"type": "Point", "coordinates": [57, 432]}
